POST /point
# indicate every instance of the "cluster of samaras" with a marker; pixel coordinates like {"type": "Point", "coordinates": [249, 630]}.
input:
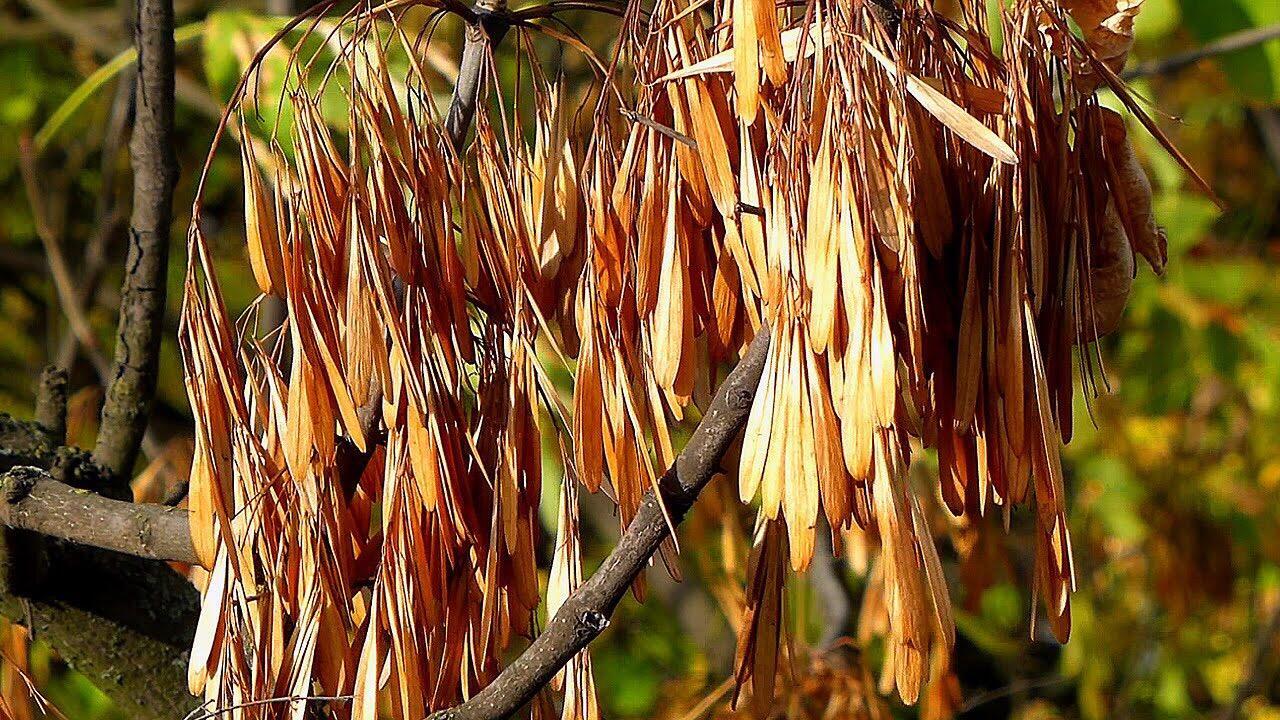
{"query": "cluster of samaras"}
{"type": "Point", "coordinates": [927, 227]}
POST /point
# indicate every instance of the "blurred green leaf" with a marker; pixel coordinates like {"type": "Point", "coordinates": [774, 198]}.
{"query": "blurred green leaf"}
{"type": "Point", "coordinates": [1186, 217]}
{"type": "Point", "coordinates": [95, 82]}
{"type": "Point", "coordinates": [1255, 71]}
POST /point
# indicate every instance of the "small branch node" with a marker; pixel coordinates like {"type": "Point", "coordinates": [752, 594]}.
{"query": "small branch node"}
{"type": "Point", "coordinates": [18, 483]}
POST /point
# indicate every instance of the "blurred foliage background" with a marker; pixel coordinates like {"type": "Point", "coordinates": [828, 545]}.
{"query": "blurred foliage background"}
{"type": "Point", "coordinates": [1174, 474]}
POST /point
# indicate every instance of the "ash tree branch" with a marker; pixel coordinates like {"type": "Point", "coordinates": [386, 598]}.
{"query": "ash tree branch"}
{"type": "Point", "coordinates": [30, 499]}
{"type": "Point", "coordinates": [124, 622]}
{"type": "Point", "coordinates": [482, 35]}
{"type": "Point", "coordinates": [129, 395]}
{"type": "Point", "coordinates": [586, 613]}
{"type": "Point", "coordinates": [1227, 44]}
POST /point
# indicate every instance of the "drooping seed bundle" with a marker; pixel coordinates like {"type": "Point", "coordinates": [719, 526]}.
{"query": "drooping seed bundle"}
{"type": "Point", "coordinates": [932, 229]}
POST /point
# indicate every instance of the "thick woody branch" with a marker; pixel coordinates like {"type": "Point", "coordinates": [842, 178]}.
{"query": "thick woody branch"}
{"type": "Point", "coordinates": [586, 613]}
{"type": "Point", "coordinates": [30, 499]}
{"type": "Point", "coordinates": [155, 170]}
{"type": "Point", "coordinates": [125, 622]}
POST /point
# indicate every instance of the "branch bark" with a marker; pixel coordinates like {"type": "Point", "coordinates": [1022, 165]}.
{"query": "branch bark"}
{"type": "Point", "coordinates": [30, 499]}
{"type": "Point", "coordinates": [155, 171]}
{"type": "Point", "coordinates": [586, 613]}
{"type": "Point", "coordinates": [482, 36]}
{"type": "Point", "coordinates": [124, 622]}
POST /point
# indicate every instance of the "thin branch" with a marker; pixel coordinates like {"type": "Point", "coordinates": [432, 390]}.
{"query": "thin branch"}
{"type": "Point", "coordinates": [203, 713]}
{"type": "Point", "coordinates": [491, 24]}
{"type": "Point", "coordinates": [129, 396]}
{"type": "Point", "coordinates": [586, 613]}
{"type": "Point", "coordinates": [63, 285]}
{"type": "Point", "coordinates": [1013, 688]}
{"type": "Point", "coordinates": [30, 499]}
{"type": "Point", "coordinates": [107, 213]}
{"type": "Point", "coordinates": [1230, 43]}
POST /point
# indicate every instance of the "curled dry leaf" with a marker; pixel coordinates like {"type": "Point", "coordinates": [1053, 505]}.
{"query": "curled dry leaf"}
{"type": "Point", "coordinates": [1107, 26]}
{"type": "Point", "coordinates": [1132, 195]}
{"type": "Point", "coordinates": [1112, 278]}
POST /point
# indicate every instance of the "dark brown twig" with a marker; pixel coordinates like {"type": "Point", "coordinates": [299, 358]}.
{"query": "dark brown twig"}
{"type": "Point", "coordinates": [586, 613]}
{"type": "Point", "coordinates": [1230, 43]}
{"type": "Point", "coordinates": [129, 396]}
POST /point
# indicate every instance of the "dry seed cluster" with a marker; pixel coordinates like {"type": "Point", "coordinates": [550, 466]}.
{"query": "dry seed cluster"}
{"type": "Point", "coordinates": [932, 231]}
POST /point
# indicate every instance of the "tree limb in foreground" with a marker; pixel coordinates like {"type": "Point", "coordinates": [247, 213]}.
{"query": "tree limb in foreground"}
{"type": "Point", "coordinates": [30, 499]}
{"type": "Point", "coordinates": [586, 613]}
{"type": "Point", "coordinates": [124, 622]}
{"type": "Point", "coordinates": [127, 405]}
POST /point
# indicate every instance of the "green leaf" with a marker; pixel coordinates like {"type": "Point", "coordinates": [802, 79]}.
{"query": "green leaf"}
{"type": "Point", "coordinates": [1158, 20]}
{"type": "Point", "coordinates": [222, 32]}
{"type": "Point", "coordinates": [1254, 72]}
{"type": "Point", "coordinates": [96, 80]}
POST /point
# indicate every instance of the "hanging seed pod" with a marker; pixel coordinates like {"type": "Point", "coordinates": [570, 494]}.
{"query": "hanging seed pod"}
{"type": "Point", "coordinates": [924, 227]}
{"type": "Point", "coordinates": [262, 207]}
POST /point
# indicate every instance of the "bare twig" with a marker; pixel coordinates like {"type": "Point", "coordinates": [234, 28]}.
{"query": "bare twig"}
{"type": "Point", "coordinates": [30, 499]}
{"type": "Point", "coordinates": [586, 613]}
{"type": "Point", "coordinates": [481, 37]}
{"type": "Point", "coordinates": [106, 216]}
{"type": "Point", "coordinates": [1013, 688]}
{"type": "Point", "coordinates": [51, 405]}
{"type": "Point", "coordinates": [63, 285]}
{"type": "Point", "coordinates": [129, 396]}
{"type": "Point", "coordinates": [1226, 44]}
{"type": "Point", "coordinates": [203, 713]}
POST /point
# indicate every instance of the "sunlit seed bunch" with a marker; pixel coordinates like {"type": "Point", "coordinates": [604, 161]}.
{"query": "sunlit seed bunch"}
{"type": "Point", "coordinates": [931, 230]}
